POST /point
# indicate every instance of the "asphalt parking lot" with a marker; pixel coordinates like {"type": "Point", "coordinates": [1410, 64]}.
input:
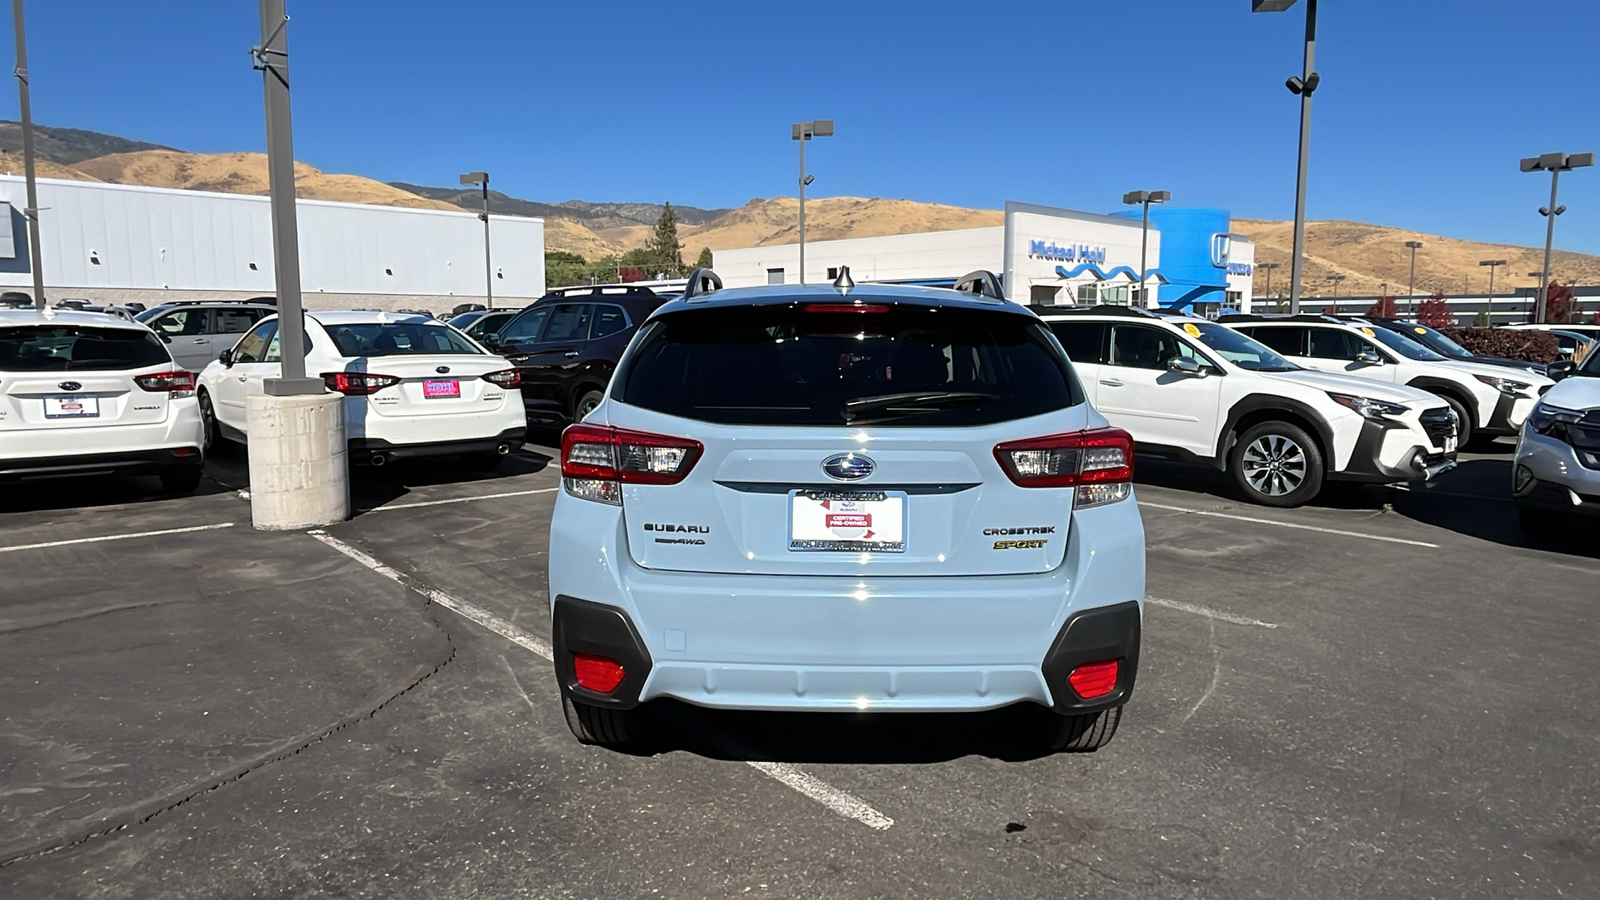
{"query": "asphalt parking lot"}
{"type": "Point", "coordinates": [1389, 694]}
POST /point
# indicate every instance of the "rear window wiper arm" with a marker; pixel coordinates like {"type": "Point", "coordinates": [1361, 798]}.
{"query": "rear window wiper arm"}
{"type": "Point", "coordinates": [861, 405]}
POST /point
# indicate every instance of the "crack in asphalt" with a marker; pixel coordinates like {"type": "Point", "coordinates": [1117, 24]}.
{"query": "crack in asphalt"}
{"type": "Point", "coordinates": [295, 748]}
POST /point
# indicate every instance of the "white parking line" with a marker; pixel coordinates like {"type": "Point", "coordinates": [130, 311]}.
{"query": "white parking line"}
{"type": "Point", "coordinates": [1209, 613]}
{"type": "Point", "coordinates": [1354, 534]}
{"type": "Point", "coordinates": [423, 503]}
{"type": "Point", "coordinates": [115, 537]}
{"type": "Point", "coordinates": [840, 802]}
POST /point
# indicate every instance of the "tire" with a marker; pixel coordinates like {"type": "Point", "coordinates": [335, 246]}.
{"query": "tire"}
{"type": "Point", "coordinates": [1084, 733]}
{"type": "Point", "coordinates": [1276, 464]}
{"type": "Point", "coordinates": [1541, 524]}
{"type": "Point", "coordinates": [180, 479]}
{"type": "Point", "coordinates": [586, 404]}
{"type": "Point", "coordinates": [1465, 433]}
{"type": "Point", "coordinates": [210, 431]}
{"type": "Point", "coordinates": [599, 725]}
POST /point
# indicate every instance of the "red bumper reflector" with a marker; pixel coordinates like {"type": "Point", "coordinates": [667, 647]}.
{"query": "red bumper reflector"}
{"type": "Point", "coordinates": [598, 673]}
{"type": "Point", "coordinates": [1095, 679]}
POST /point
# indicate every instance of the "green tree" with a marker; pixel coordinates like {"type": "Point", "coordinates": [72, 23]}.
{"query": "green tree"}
{"type": "Point", "coordinates": [562, 269]}
{"type": "Point", "coordinates": [1481, 320]}
{"type": "Point", "coordinates": [664, 248]}
{"type": "Point", "coordinates": [704, 260]}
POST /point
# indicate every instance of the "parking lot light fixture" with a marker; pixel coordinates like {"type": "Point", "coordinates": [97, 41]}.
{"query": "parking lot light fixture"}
{"type": "Point", "coordinates": [1555, 164]}
{"type": "Point", "coordinates": [476, 178]}
{"type": "Point", "coordinates": [1492, 264]}
{"type": "Point", "coordinates": [1411, 283]}
{"type": "Point", "coordinates": [1268, 267]}
{"type": "Point", "coordinates": [25, 105]}
{"type": "Point", "coordinates": [1336, 279]}
{"type": "Point", "coordinates": [802, 132]}
{"type": "Point", "coordinates": [1302, 86]}
{"type": "Point", "coordinates": [1144, 199]}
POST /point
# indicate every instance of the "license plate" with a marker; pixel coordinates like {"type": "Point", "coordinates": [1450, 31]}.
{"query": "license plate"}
{"type": "Point", "coordinates": [71, 407]}
{"type": "Point", "coordinates": [847, 521]}
{"type": "Point", "coordinates": [449, 388]}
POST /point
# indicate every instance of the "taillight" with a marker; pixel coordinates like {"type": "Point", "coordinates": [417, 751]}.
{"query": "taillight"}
{"type": "Point", "coordinates": [1095, 679]}
{"type": "Point", "coordinates": [846, 307]}
{"type": "Point", "coordinates": [601, 674]}
{"type": "Point", "coordinates": [1099, 463]}
{"type": "Point", "coordinates": [596, 460]}
{"type": "Point", "coordinates": [177, 383]}
{"type": "Point", "coordinates": [506, 378]}
{"type": "Point", "coordinates": [358, 384]}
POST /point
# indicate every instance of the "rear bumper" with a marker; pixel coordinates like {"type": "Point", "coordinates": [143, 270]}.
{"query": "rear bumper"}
{"type": "Point", "coordinates": [364, 449]}
{"type": "Point", "coordinates": [848, 643]}
{"type": "Point", "coordinates": [125, 462]}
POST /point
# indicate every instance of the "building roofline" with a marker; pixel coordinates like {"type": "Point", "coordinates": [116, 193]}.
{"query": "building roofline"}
{"type": "Point", "coordinates": [1056, 212]}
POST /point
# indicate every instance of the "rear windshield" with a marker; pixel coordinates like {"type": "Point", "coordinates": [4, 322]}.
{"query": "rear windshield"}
{"type": "Point", "coordinates": [398, 339]}
{"type": "Point", "coordinates": [61, 348]}
{"type": "Point", "coordinates": [906, 366]}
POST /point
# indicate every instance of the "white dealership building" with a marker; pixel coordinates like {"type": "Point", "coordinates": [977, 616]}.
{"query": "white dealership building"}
{"type": "Point", "coordinates": [111, 243]}
{"type": "Point", "coordinates": [1045, 255]}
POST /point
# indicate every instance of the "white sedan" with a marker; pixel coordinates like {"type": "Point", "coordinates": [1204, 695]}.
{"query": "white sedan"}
{"type": "Point", "coordinates": [413, 386]}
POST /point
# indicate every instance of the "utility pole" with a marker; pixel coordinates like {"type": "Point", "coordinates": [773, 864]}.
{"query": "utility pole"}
{"type": "Point", "coordinates": [31, 214]}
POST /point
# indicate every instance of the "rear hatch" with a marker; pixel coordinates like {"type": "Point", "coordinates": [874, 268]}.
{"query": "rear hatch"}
{"type": "Point", "coordinates": [836, 442]}
{"type": "Point", "coordinates": [415, 368]}
{"type": "Point", "coordinates": [65, 376]}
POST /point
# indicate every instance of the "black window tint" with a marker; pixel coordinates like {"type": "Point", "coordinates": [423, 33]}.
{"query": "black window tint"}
{"type": "Point", "coordinates": [396, 339]}
{"type": "Point", "coordinates": [233, 321]}
{"type": "Point", "coordinates": [1085, 341]}
{"type": "Point", "coordinates": [608, 320]}
{"type": "Point", "coordinates": [910, 366]}
{"type": "Point", "coordinates": [181, 322]}
{"type": "Point", "coordinates": [253, 346]}
{"type": "Point", "coordinates": [1144, 347]}
{"type": "Point", "coordinates": [61, 348]}
{"type": "Point", "coordinates": [568, 322]}
{"type": "Point", "coordinates": [1288, 341]}
{"type": "Point", "coordinates": [1334, 343]}
{"type": "Point", "coordinates": [524, 329]}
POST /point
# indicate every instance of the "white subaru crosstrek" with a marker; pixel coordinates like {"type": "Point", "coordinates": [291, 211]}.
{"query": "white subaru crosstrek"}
{"type": "Point", "coordinates": [871, 498]}
{"type": "Point", "coordinates": [87, 393]}
{"type": "Point", "coordinates": [1201, 392]}
{"type": "Point", "coordinates": [414, 386]}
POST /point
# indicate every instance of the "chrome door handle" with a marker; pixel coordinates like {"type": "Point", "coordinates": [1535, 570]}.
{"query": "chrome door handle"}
{"type": "Point", "coordinates": [201, 341]}
{"type": "Point", "coordinates": [1110, 382]}
{"type": "Point", "coordinates": [572, 354]}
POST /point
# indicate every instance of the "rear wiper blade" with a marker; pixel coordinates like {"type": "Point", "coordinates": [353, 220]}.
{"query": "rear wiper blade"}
{"type": "Point", "coordinates": [912, 400]}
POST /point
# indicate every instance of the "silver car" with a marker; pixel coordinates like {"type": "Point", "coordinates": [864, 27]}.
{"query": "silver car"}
{"type": "Point", "coordinates": [195, 332]}
{"type": "Point", "coordinates": [1557, 470]}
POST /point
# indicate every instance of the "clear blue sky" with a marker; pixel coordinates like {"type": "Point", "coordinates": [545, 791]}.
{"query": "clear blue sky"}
{"type": "Point", "coordinates": [1424, 109]}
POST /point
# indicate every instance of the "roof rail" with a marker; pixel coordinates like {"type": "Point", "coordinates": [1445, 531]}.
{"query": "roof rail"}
{"type": "Point", "coordinates": [981, 282]}
{"type": "Point", "coordinates": [1301, 317]}
{"type": "Point", "coordinates": [701, 281]}
{"type": "Point", "coordinates": [614, 290]}
{"type": "Point", "coordinates": [1104, 309]}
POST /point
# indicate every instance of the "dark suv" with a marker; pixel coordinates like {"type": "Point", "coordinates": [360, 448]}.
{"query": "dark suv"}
{"type": "Point", "coordinates": [567, 343]}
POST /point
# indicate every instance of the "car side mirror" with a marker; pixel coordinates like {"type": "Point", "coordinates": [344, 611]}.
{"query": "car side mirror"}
{"type": "Point", "coordinates": [490, 339]}
{"type": "Point", "coordinates": [226, 358]}
{"type": "Point", "coordinates": [1369, 358]}
{"type": "Point", "coordinates": [1559, 369]}
{"type": "Point", "coordinates": [1183, 365]}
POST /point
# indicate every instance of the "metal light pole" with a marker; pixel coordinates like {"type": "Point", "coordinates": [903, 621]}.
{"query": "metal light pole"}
{"type": "Point", "coordinates": [32, 212]}
{"type": "Point", "coordinates": [1492, 264]}
{"type": "Point", "coordinates": [1555, 164]}
{"type": "Point", "coordinates": [1144, 199]}
{"type": "Point", "coordinates": [1411, 284]}
{"type": "Point", "coordinates": [1302, 85]}
{"type": "Point", "coordinates": [802, 132]}
{"type": "Point", "coordinates": [1336, 279]}
{"type": "Point", "coordinates": [272, 58]}
{"type": "Point", "coordinates": [1269, 267]}
{"type": "Point", "coordinates": [488, 264]}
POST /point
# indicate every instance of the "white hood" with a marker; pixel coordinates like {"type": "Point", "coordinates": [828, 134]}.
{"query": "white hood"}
{"type": "Point", "coordinates": [1522, 375]}
{"type": "Point", "coordinates": [1360, 387]}
{"type": "Point", "coordinates": [1577, 392]}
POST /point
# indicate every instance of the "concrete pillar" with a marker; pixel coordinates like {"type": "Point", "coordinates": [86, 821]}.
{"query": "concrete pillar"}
{"type": "Point", "coordinates": [299, 474]}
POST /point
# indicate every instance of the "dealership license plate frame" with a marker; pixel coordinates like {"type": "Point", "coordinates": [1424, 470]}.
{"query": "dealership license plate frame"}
{"type": "Point", "coordinates": [886, 521]}
{"type": "Point", "coordinates": [441, 389]}
{"type": "Point", "coordinates": [55, 407]}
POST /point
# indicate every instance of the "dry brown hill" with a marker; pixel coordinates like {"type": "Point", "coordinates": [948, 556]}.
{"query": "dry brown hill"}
{"type": "Point", "coordinates": [11, 164]}
{"type": "Point", "coordinates": [1370, 255]}
{"type": "Point", "coordinates": [243, 173]}
{"type": "Point", "coordinates": [763, 222]}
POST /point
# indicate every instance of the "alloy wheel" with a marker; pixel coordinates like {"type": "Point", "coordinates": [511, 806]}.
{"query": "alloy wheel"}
{"type": "Point", "coordinates": [1275, 465]}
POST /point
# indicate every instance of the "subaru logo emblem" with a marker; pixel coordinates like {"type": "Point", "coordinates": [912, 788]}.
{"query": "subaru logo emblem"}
{"type": "Point", "coordinates": [70, 386]}
{"type": "Point", "coordinates": [848, 466]}
{"type": "Point", "coordinates": [443, 370]}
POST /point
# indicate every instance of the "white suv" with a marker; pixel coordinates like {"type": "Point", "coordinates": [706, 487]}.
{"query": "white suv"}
{"type": "Point", "coordinates": [1489, 400]}
{"type": "Point", "coordinates": [872, 498]}
{"type": "Point", "coordinates": [414, 386]}
{"type": "Point", "coordinates": [1198, 391]}
{"type": "Point", "coordinates": [1557, 471]}
{"type": "Point", "coordinates": [86, 393]}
